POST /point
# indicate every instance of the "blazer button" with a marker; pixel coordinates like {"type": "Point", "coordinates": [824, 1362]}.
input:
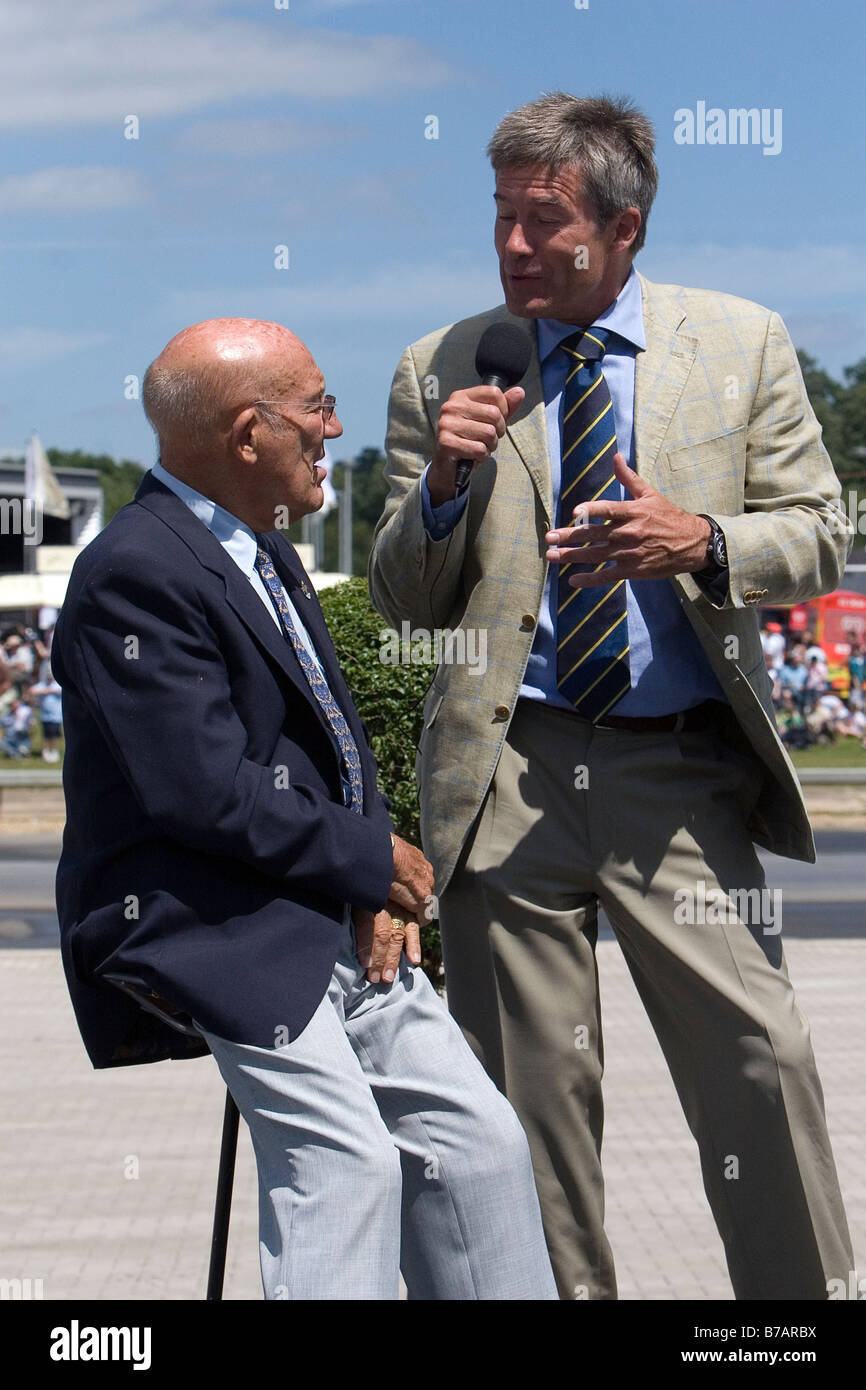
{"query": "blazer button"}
{"type": "Point", "coordinates": [502, 711]}
{"type": "Point", "coordinates": [527, 621]}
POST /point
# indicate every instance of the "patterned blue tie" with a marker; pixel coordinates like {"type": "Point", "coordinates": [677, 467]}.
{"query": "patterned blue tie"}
{"type": "Point", "coordinates": [592, 667]}
{"type": "Point", "coordinates": [319, 686]}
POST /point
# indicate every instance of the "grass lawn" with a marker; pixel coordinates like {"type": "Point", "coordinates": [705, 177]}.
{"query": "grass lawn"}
{"type": "Point", "coordinates": [26, 764]}
{"type": "Point", "coordinates": [845, 752]}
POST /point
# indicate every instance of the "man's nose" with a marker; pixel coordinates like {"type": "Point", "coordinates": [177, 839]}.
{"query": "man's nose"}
{"type": "Point", "coordinates": [333, 429]}
{"type": "Point", "coordinates": [517, 245]}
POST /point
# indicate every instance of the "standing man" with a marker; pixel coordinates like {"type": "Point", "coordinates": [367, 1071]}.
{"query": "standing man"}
{"type": "Point", "coordinates": [226, 847]}
{"type": "Point", "coordinates": [620, 747]}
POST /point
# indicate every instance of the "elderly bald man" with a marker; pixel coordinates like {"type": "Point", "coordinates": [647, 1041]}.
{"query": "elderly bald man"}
{"type": "Point", "coordinates": [227, 846]}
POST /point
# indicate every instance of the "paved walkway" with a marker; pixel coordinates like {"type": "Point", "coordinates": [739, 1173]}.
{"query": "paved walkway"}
{"type": "Point", "coordinates": [108, 1177]}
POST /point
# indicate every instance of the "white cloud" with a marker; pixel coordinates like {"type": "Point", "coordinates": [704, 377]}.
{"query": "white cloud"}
{"type": "Point", "coordinates": [318, 6]}
{"type": "Point", "coordinates": [88, 188]}
{"type": "Point", "coordinates": [432, 293]}
{"type": "Point", "coordinates": [808, 278]}
{"type": "Point", "coordinates": [28, 347]}
{"type": "Point", "coordinates": [261, 136]}
{"type": "Point", "coordinates": [98, 61]}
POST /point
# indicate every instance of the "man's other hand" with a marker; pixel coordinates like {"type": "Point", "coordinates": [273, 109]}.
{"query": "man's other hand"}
{"type": "Point", "coordinates": [381, 938]}
{"type": "Point", "coordinates": [412, 887]}
{"type": "Point", "coordinates": [647, 537]}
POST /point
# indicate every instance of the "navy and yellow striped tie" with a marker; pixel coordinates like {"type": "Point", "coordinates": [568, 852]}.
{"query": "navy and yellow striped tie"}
{"type": "Point", "coordinates": [349, 755]}
{"type": "Point", "coordinates": [592, 663]}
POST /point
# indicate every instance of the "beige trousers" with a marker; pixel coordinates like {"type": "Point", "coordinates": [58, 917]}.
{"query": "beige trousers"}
{"type": "Point", "coordinates": [652, 826]}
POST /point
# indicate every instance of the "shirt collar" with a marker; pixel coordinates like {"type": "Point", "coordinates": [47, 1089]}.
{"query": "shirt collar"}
{"type": "Point", "coordinates": [623, 317]}
{"type": "Point", "coordinates": [238, 539]}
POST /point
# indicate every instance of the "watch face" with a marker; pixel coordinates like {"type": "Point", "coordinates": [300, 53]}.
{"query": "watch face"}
{"type": "Point", "coordinates": [720, 552]}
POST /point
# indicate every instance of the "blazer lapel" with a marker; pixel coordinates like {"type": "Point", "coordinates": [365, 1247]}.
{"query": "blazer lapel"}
{"type": "Point", "coordinates": [528, 433]}
{"type": "Point", "coordinates": [660, 375]}
{"type": "Point", "coordinates": [240, 594]}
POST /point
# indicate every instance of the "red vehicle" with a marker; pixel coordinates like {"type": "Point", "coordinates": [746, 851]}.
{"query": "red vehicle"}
{"type": "Point", "coordinates": [837, 621]}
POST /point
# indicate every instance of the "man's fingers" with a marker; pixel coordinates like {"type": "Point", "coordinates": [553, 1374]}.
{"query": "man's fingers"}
{"type": "Point", "coordinates": [594, 551]}
{"type": "Point", "coordinates": [413, 879]}
{"type": "Point", "coordinates": [595, 579]}
{"type": "Point", "coordinates": [413, 942]}
{"type": "Point", "coordinates": [391, 932]}
{"type": "Point", "coordinates": [476, 416]}
{"type": "Point", "coordinates": [404, 897]}
{"type": "Point", "coordinates": [471, 422]}
{"type": "Point", "coordinates": [637, 486]}
{"type": "Point", "coordinates": [398, 937]}
{"type": "Point", "coordinates": [589, 515]}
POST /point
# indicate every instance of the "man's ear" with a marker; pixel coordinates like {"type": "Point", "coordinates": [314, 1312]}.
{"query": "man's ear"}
{"type": "Point", "coordinates": [626, 226]}
{"type": "Point", "coordinates": [244, 442]}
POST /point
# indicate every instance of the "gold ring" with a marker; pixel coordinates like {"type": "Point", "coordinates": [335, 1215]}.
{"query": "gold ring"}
{"type": "Point", "coordinates": [399, 926]}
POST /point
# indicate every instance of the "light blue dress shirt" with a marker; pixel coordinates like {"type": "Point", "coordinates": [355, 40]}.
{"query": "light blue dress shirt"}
{"type": "Point", "coordinates": [669, 670]}
{"type": "Point", "coordinates": [239, 542]}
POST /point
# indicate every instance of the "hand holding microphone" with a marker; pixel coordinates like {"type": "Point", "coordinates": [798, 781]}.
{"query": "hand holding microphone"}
{"type": "Point", "coordinates": [472, 421]}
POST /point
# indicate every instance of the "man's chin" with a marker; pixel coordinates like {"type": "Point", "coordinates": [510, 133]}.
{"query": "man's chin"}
{"type": "Point", "coordinates": [316, 499]}
{"type": "Point", "coordinates": [526, 306]}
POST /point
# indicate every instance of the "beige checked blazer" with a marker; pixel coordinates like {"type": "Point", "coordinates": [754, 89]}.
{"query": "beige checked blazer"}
{"type": "Point", "coordinates": [722, 425]}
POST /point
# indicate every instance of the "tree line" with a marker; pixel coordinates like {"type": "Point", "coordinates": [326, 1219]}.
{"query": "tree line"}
{"type": "Point", "coordinates": [839, 405]}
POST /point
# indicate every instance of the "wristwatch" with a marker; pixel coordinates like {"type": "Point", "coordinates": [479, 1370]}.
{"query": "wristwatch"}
{"type": "Point", "coordinates": [717, 551]}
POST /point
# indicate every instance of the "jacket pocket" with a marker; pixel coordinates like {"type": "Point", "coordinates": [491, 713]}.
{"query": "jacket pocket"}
{"type": "Point", "coordinates": [721, 452]}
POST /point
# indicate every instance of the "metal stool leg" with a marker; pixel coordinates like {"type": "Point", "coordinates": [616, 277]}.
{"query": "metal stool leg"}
{"type": "Point", "coordinates": [139, 991]}
{"type": "Point", "coordinates": [223, 1204]}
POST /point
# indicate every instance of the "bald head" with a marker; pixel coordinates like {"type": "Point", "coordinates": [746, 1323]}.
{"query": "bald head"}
{"type": "Point", "coordinates": [202, 396]}
{"type": "Point", "coordinates": [208, 372]}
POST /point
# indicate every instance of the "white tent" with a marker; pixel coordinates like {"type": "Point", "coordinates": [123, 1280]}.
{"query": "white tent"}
{"type": "Point", "coordinates": [32, 590]}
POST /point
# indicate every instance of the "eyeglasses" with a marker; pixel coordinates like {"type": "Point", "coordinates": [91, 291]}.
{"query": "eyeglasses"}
{"type": "Point", "coordinates": [327, 406]}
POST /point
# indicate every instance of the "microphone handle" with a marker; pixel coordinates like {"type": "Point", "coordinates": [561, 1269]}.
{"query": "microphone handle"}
{"type": "Point", "coordinates": [464, 466]}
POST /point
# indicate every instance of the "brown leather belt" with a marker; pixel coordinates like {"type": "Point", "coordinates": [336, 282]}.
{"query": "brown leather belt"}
{"type": "Point", "coordinates": [700, 716]}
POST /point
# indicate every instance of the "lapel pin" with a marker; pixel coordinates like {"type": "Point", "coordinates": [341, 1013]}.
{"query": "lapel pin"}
{"type": "Point", "coordinates": [304, 590]}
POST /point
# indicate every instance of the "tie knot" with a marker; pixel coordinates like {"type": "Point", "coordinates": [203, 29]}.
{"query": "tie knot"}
{"type": "Point", "coordinates": [589, 344]}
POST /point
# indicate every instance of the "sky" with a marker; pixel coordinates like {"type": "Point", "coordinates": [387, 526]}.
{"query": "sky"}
{"type": "Point", "coordinates": [304, 123]}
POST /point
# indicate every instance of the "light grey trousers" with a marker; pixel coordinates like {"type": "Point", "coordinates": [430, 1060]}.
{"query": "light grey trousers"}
{"type": "Point", "coordinates": [381, 1146]}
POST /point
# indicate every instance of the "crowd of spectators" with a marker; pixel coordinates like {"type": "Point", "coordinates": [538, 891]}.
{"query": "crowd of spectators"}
{"type": "Point", "coordinates": [808, 709]}
{"type": "Point", "coordinates": [30, 697]}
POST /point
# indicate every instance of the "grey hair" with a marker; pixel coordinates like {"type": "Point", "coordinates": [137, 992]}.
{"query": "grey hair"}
{"type": "Point", "coordinates": [188, 404]}
{"type": "Point", "coordinates": [607, 137]}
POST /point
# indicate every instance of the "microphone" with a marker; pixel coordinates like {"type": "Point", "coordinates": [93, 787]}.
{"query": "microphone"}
{"type": "Point", "coordinates": [501, 360]}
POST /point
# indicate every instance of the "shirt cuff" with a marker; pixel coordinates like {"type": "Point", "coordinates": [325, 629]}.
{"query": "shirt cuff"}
{"type": "Point", "coordinates": [439, 521]}
{"type": "Point", "coordinates": [717, 589]}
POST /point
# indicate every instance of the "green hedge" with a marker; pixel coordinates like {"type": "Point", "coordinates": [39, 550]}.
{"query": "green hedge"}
{"type": "Point", "coordinates": [390, 700]}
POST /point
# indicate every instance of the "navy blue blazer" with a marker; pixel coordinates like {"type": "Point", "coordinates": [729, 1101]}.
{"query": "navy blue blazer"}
{"type": "Point", "coordinates": [207, 847]}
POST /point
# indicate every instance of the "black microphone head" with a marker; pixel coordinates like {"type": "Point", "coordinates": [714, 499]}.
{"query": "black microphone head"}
{"type": "Point", "coordinates": [503, 352]}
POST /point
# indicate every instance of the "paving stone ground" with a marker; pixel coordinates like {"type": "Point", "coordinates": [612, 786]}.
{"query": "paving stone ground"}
{"type": "Point", "coordinates": [107, 1178]}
